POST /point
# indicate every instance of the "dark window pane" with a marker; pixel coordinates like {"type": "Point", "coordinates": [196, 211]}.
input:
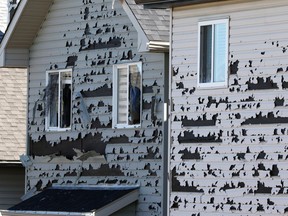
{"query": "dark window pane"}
{"type": "Point", "coordinates": [53, 99]}
{"type": "Point", "coordinates": [65, 100]}
{"type": "Point", "coordinates": [205, 53]}
{"type": "Point", "coordinates": [134, 95]}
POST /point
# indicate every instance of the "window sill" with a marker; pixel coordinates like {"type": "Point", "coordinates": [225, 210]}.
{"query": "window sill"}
{"type": "Point", "coordinates": [212, 85]}
{"type": "Point", "coordinates": [57, 129]}
{"type": "Point", "coordinates": [126, 126]}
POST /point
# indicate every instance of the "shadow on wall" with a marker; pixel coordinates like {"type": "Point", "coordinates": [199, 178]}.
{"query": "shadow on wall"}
{"type": "Point", "coordinates": [1, 35]}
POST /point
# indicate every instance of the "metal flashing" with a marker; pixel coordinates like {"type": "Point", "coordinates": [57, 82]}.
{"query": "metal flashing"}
{"type": "Point", "coordinates": [148, 4]}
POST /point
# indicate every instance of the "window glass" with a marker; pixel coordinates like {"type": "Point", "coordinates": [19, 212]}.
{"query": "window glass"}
{"type": "Point", "coordinates": [122, 96]}
{"type": "Point", "coordinates": [53, 91]}
{"type": "Point", "coordinates": [127, 95]}
{"type": "Point", "coordinates": [65, 99]}
{"type": "Point", "coordinates": [134, 94]}
{"type": "Point", "coordinates": [213, 49]}
{"type": "Point", "coordinates": [220, 50]}
{"type": "Point", "coordinates": [58, 100]}
{"type": "Point", "coordinates": [206, 53]}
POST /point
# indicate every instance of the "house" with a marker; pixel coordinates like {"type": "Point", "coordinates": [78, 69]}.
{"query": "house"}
{"type": "Point", "coordinates": [13, 91]}
{"type": "Point", "coordinates": [228, 111]}
{"type": "Point", "coordinates": [96, 74]}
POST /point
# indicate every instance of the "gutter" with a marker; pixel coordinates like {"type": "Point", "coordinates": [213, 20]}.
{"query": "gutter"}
{"type": "Point", "coordinates": [158, 46]}
{"type": "Point", "coordinates": [162, 4]}
{"type": "Point", "coordinates": [10, 164]}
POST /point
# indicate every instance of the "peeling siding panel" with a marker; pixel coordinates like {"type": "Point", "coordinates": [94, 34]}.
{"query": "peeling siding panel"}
{"type": "Point", "coordinates": [90, 37]}
{"type": "Point", "coordinates": [229, 145]}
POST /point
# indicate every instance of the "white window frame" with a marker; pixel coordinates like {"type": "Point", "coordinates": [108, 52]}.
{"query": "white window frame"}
{"type": "Point", "coordinates": [47, 118]}
{"type": "Point", "coordinates": [212, 83]}
{"type": "Point", "coordinates": [115, 95]}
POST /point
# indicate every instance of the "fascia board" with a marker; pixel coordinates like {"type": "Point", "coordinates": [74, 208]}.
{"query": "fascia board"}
{"type": "Point", "coordinates": [142, 37]}
{"type": "Point", "coordinates": [10, 30]}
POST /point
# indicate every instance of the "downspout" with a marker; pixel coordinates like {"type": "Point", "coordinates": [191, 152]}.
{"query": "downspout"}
{"type": "Point", "coordinates": [27, 133]}
{"type": "Point", "coordinates": [166, 131]}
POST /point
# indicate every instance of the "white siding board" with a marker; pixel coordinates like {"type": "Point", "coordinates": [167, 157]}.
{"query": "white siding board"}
{"type": "Point", "coordinates": [250, 40]}
{"type": "Point", "coordinates": [137, 160]}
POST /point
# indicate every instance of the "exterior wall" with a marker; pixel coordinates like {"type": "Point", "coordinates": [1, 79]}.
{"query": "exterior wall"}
{"type": "Point", "coordinates": [128, 210]}
{"type": "Point", "coordinates": [229, 145]}
{"type": "Point", "coordinates": [13, 97]}
{"type": "Point", "coordinates": [11, 186]}
{"type": "Point", "coordinates": [13, 93]}
{"type": "Point", "coordinates": [3, 15]}
{"type": "Point", "coordinates": [93, 153]}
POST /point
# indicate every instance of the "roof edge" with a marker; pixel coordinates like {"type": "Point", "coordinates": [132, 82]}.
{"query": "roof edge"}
{"type": "Point", "coordinates": [118, 204]}
{"type": "Point", "coordinates": [11, 25]}
{"type": "Point", "coordinates": [95, 187]}
{"type": "Point", "coordinates": [161, 4]}
{"type": "Point", "coordinates": [158, 46]}
{"type": "Point", "coordinates": [29, 213]}
{"type": "Point", "coordinates": [142, 37]}
{"type": "Point", "coordinates": [10, 164]}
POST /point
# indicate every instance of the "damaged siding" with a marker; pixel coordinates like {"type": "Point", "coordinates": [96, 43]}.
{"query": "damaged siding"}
{"type": "Point", "coordinates": [90, 37]}
{"type": "Point", "coordinates": [229, 145]}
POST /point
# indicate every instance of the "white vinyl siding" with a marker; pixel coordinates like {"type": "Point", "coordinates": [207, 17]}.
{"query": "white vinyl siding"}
{"type": "Point", "coordinates": [257, 50]}
{"type": "Point", "coordinates": [127, 94]}
{"type": "Point", "coordinates": [65, 23]}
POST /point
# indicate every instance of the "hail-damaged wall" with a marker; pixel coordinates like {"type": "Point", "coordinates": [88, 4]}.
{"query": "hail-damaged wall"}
{"type": "Point", "coordinates": [229, 145]}
{"type": "Point", "coordinates": [90, 37]}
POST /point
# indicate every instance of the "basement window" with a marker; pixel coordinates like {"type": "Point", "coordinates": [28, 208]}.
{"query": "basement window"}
{"type": "Point", "coordinates": [127, 95]}
{"type": "Point", "coordinates": [213, 53]}
{"type": "Point", "coordinates": [58, 100]}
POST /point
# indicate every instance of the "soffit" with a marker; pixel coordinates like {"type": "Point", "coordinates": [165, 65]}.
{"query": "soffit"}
{"type": "Point", "coordinates": [29, 18]}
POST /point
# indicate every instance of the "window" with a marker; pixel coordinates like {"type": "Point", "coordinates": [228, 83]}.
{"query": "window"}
{"type": "Point", "coordinates": [127, 95]}
{"type": "Point", "coordinates": [58, 100]}
{"type": "Point", "coordinates": [213, 53]}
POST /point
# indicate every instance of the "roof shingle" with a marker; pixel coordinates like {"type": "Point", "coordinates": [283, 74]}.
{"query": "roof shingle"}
{"type": "Point", "coordinates": [155, 23]}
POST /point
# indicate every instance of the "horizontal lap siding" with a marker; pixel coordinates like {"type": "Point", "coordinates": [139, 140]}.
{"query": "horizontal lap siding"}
{"type": "Point", "coordinates": [234, 160]}
{"type": "Point", "coordinates": [4, 15]}
{"type": "Point", "coordinates": [125, 156]}
{"type": "Point", "coordinates": [11, 186]}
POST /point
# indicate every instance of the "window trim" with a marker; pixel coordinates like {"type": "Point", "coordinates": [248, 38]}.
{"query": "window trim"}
{"type": "Point", "coordinates": [213, 84]}
{"type": "Point", "coordinates": [115, 95]}
{"type": "Point", "coordinates": [47, 116]}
